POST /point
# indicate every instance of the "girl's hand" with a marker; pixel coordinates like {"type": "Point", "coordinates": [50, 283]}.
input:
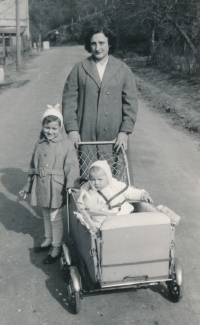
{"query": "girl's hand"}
{"type": "Point", "coordinates": [146, 197]}
{"type": "Point", "coordinates": [23, 194]}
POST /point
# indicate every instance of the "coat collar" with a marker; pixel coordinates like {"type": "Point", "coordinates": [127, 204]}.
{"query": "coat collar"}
{"type": "Point", "coordinates": [90, 67]}
{"type": "Point", "coordinates": [57, 139]}
{"type": "Point", "coordinates": [112, 67]}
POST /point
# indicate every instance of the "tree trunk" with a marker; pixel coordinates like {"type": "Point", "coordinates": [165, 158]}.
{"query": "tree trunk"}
{"type": "Point", "coordinates": [152, 41]}
{"type": "Point", "coordinates": [153, 29]}
{"type": "Point", "coordinates": [186, 37]}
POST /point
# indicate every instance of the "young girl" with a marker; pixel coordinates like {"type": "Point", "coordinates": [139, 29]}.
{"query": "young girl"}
{"type": "Point", "coordinates": [53, 168]}
{"type": "Point", "coordinates": [104, 193]}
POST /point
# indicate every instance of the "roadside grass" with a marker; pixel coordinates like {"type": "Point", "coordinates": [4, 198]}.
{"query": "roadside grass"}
{"type": "Point", "coordinates": [176, 95]}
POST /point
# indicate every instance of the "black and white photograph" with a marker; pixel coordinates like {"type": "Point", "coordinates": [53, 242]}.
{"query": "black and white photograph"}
{"type": "Point", "coordinates": [100, 162]}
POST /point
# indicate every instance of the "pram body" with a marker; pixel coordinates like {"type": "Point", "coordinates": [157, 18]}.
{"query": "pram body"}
{"type": "Point", "coordinates": [127, 251]}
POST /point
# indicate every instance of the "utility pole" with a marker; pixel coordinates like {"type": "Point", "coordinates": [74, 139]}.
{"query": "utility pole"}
{"type": "Point", "coordinates": [18, 59]}
{"type": "Point", "coordinates": [71, 9]}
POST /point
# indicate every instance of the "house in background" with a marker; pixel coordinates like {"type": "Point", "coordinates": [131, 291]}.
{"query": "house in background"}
{"type": "Point", "coordinates": [8, 29]}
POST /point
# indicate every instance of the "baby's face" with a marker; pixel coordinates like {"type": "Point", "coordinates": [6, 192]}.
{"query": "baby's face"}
{"type": "Point", "coordinates": [98, 179]}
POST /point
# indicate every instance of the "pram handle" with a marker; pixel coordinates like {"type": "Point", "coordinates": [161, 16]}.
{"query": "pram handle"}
{"type": "Point", "coordinates": [105, 143]}
{"type": "Point", "coordinates": [97, 142]}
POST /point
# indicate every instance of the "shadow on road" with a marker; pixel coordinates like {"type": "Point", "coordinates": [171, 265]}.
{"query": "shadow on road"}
{"type": "Point", "coordinates": [18, 216]}
{"type": "Point", "coordinates": [163, 291]}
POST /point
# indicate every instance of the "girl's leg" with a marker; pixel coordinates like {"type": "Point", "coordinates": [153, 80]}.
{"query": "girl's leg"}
{"type": "Point", "coordinates": [47, 227]}
{"type": "Point", "coordinates": [57, 233]}
{"type": "Point", "coordinates": [46, 242]}
{"type": "Point", "coordinates": [57, 226]}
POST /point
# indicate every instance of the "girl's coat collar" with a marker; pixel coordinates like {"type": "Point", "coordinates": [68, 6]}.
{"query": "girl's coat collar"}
{"type": "Point", "coordinates": [57, 139]}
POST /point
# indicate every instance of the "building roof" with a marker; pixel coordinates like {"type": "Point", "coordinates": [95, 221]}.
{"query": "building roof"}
{"type": "Point", "coordinates": [11, 30]}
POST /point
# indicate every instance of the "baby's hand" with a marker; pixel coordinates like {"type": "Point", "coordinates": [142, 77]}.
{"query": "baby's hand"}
{"type": "Point", "coordinates": [23, 194]}
{"type": "Point", "coordinates": [146, 197]}
{"type": "Point", "coordinates": [93, 190]}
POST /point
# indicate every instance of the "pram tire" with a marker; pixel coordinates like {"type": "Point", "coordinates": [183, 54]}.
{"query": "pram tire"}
{"type": "Point", "coordinates": [65, 262]}
{"type": "Point", "coordinates": [175, 286]}
{"type": "Point", "coordinates": [175, 291]}
{"type": "Point", "coordinates": [73, 297]}
{"type": "Point", "coordinates": [64, 268]}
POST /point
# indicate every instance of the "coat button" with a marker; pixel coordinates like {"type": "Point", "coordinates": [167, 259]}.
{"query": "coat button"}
{"type": "Point", "coordinates": [107, 92]}
{"type": "Point", "coordinates": [45, 154]}
{"type": "Point", "coordinates": [106, 113]}
{"type": "Point", "coordinates": [42, 181]}
{"type": "Point", "coordinates": [105, 129]}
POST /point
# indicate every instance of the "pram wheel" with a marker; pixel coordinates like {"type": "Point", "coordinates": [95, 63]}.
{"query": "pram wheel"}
{"type": "Point", "coordinates": [73, 297]}
{"type": "Point", "coordinates": [175, 287]}
{"type": "Point", "coordinates": [175, 291]}
{"type": "Point", "coordinates": [64, 268]}
{"type": "Point", "coordinates": [65, 262]}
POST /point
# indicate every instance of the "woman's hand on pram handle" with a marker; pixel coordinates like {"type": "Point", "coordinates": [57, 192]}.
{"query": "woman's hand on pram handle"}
{"type": "Point", "coordinates": [74, 136]}
{"type": "Point", "coordinates": [23, 194]}
{"type": "Point", "coordinates": [121, 141]}
{"type": "Point", "coordinates": [146, 197]}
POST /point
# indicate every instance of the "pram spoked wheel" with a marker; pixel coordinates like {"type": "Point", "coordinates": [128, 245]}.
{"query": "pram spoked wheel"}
{"type": "Point", "coordinates": [65, 261]}
{"type": "Point", "coordinates": [64, 268]}
{"type": "Point", "coordinates": [73, 297]}
{"type": "Point", "coordinates": [175, 287]}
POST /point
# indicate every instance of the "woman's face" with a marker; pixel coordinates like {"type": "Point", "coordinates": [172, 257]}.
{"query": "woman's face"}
{"type": "Point", "coordinates": [99, 46]}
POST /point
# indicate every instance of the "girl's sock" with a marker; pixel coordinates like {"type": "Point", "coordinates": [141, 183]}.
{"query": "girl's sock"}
{"type": "Point", "coordinates": [57, 232]}
{"type": "Point", "coordinates": [54, 251]}
{"type": "Point", "coordinates": [46, 242]}
{"type": "Point", "coordinates": [47, 228]}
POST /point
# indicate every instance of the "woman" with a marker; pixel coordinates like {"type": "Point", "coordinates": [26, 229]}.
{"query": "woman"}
{"type": "Point", "coordinates": [100, 98]}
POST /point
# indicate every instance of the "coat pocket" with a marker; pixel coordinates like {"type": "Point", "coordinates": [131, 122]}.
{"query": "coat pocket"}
{"type": "Point", "coordinates": [59, 179]}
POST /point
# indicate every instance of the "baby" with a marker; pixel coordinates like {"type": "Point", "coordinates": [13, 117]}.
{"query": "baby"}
{"type": "Point", "coordinates": [106, 194]}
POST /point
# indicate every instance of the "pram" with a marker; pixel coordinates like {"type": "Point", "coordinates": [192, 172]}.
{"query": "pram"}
{"type": "Point", "coordinates": [130, 251]}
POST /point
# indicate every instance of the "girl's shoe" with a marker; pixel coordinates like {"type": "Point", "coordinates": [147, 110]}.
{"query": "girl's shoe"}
{"type": "Point", "coordinates": [53, 255]}
{"type": "Point", "coordinates": [43, 248]}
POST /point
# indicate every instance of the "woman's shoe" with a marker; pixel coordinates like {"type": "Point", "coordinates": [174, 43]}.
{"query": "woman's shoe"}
{"type": "Point", "coordinates": [41, 248]}
{"type": "Point", "coordinates": [53, 255]}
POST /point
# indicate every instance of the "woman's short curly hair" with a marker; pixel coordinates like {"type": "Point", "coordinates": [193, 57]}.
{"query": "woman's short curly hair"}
{"type": "Point", "coordinates": [107, 32]}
